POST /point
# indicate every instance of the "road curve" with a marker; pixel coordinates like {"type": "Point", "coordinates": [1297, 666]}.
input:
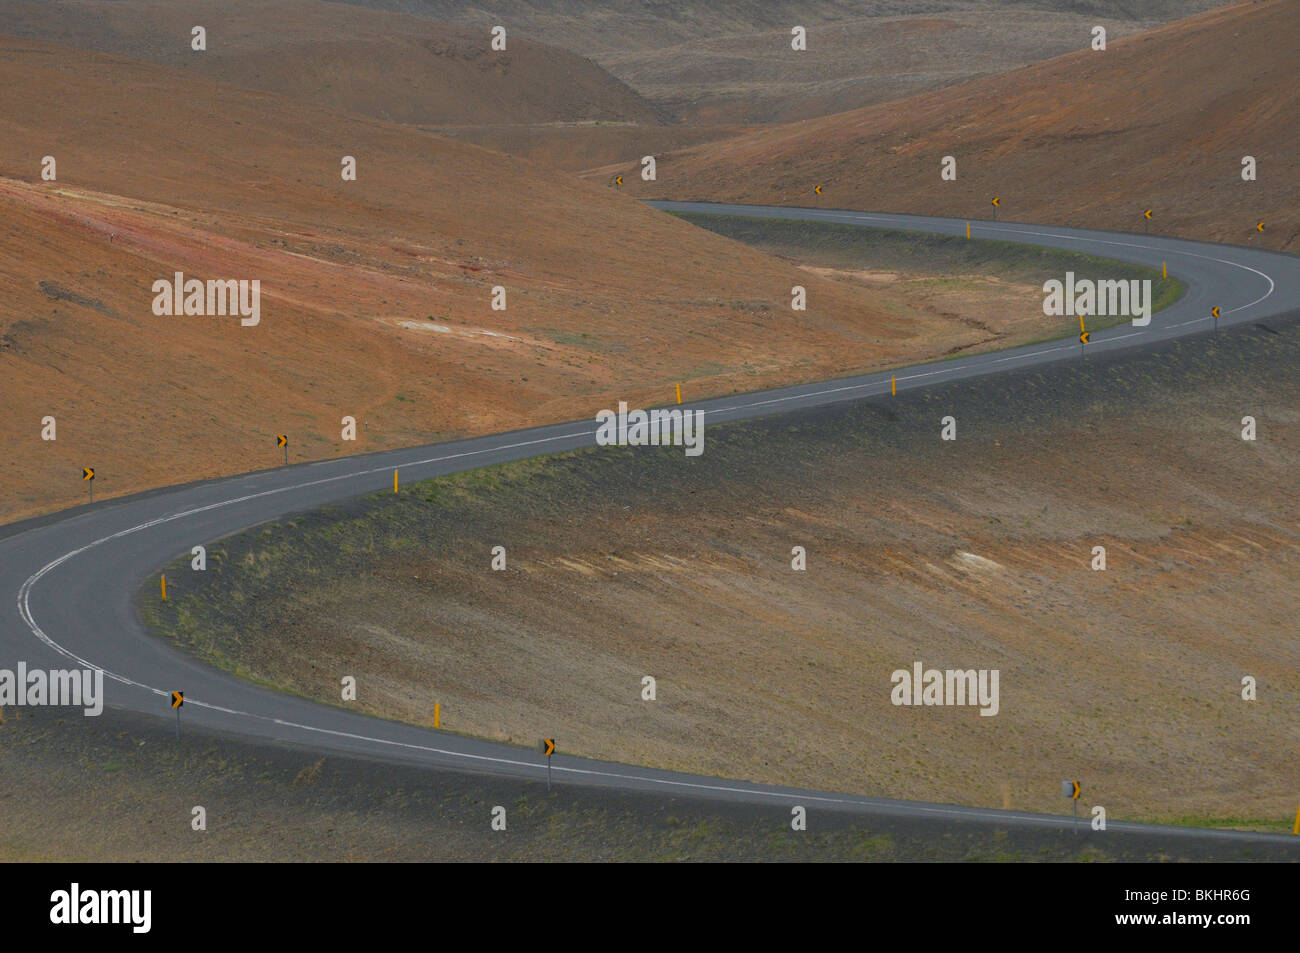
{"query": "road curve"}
{"type": "Point", "coordinates": [72, 577]}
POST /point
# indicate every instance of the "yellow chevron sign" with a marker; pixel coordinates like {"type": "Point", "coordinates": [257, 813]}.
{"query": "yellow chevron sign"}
{"type": "Point", "coordinates": [88, 473]}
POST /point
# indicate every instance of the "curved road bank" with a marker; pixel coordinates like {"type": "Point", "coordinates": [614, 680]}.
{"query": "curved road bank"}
{"type": "Point", "coordinates": [72, 578]}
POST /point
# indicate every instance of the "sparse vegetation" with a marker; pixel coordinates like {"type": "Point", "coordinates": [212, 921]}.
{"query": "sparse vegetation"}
{"type": "Point", "coordinates": [628, 560]}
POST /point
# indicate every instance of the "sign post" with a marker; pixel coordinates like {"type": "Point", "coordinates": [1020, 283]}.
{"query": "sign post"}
{"type": "Point", "coordinates": [282, 440]}
{"type": "Point", "coordinates": [1071, 790]}
{"type": "Point", "coordinates": [548, 749]}
{"type": "Point", "coordinates": [88, 474]}
{"type": "Point", "coordinates": [178, 699]}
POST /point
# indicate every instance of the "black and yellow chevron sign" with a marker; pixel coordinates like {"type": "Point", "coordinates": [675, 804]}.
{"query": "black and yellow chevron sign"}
{"type": "Point", "coordinates": [1147, 213]}
{"type": "Point", "coordinates": [1260, 227]}
{"type": "Point", "coordinates": [88, 473]}
{"type": "Point", "coordinates": [1214, 311]}
{"type": "Point", "coordinates": [281, 440]}
{"type": "Point", "coordinates": [1083, 338]}
{"type": "Point", "coordinates": [997, 202]}
{"type": "Point", "coordinates": [1077, 792]}
{"type": "Point", "coordinates": [548, 746]}
{"type": "Point", "coordinates": [178, 699]}
{"type": "Point", "coordinates": [619, 180]}
{"type": "Point", "coordinates": [817, 189]}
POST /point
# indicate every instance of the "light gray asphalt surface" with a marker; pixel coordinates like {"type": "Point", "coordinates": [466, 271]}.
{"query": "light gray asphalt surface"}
{"type": "Point", "coordinates": [71, 578]}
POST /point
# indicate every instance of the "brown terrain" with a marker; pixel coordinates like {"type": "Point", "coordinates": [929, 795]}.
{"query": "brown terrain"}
{"type": "Point", "coordinates": [585, 84]}
{"type": "Point", "coordinates": [850, 63]}
{"type": "Point", "coordinates": [1160, 120]}
{"type": "Point", "coordinates": [974, 554]}
{"type": "Point", "coordinates": [119, 788]}
{"type": "Point", "coordinates": [375, 304]}
{"type": "Point", "coordinates": [385, 65]}
{"type": "Point", "coordinates": [727, 61]}
{"type": "Point", "coordinates": [375, 293]}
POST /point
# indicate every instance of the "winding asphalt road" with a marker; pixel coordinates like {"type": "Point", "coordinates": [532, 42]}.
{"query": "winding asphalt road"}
{"type": "Point", "coordinates": [72, 577]}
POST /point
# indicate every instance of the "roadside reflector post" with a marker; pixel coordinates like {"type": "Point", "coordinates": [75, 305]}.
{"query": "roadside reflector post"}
{"type": "Point", "coordinates": [164, 587]}
{"type": "Point", "coordinates": [394, 481]}
{"type": "Point", "coordinates": [1296, 829]}
{"type": "Point", "coordinates": [679, 393]}
{"type": "Point", "coordinates": [437, 715]}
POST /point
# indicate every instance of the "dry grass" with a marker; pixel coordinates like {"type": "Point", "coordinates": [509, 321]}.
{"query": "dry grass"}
{"type": "Point", "coordinates": [624, 564]}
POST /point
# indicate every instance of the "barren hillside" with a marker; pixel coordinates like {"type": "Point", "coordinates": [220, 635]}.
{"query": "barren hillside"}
{"type": "Point", "coordinates": [1161, 120]}
{"type": "Point", "coordinates": [730, 61]}
{"type": "Point", "coordinates": [375, 293]}
{"type": "Point", "coordinates": [393, 67]}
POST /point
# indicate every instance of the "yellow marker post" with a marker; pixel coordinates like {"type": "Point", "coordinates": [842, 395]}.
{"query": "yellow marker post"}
{"type": "Point", "coordinates": [1164, 269]}
{"type": "Point", "coordinates": [679, 393]}
{"type": "Point", "coordinates": [968, 229]}
{"type": "Point", "coordinates": [394, 481]}
{"type": "Point", "coordinates": [437, 714]}
{"type": "Point", "coordinates": [1296, 829]}
{"type": "Point", "coordinates": [164, 588]}
{"type": "Point", "coordinates": [893, 385]}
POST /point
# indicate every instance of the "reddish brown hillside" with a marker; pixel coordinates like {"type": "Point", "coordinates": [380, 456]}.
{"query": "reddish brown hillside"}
{"type": "Point", "coordinates": [376, 294]}
{"type": "Point", "coordinates": [393, 67]}
{"type": "Point", "coordinates": [1159, 120]}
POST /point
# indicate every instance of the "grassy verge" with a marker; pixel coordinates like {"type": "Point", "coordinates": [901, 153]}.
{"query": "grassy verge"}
{"type": "Point", "coordinates": [855, 247]}
{"type": "Point", "coordinates": [105, 790]}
